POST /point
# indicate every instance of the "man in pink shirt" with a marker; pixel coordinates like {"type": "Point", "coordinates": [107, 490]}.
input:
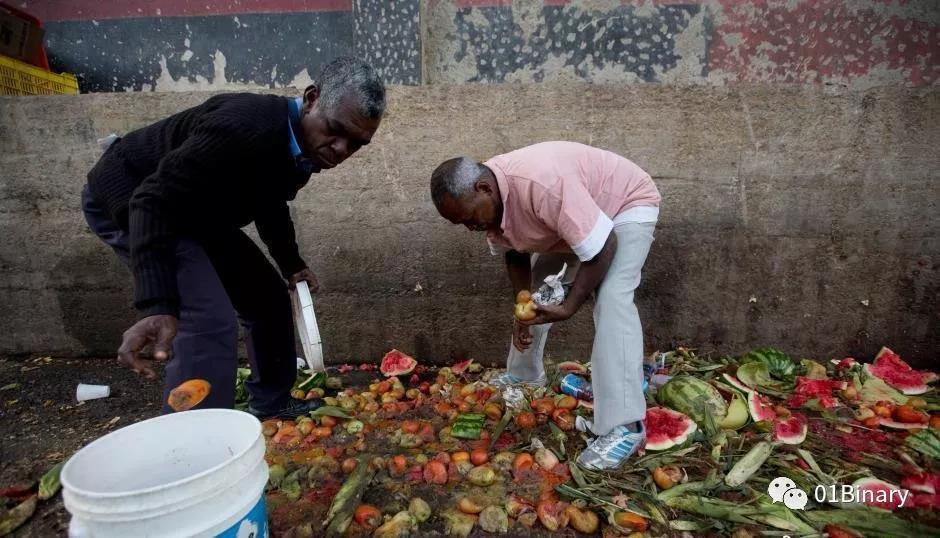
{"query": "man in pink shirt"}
{"type": "Point", "coordinates": [558, 203]}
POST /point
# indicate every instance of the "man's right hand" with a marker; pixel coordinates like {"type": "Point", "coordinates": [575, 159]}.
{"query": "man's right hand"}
{"type": "Point", "coordinates": [158, 330]}
{"type": "Point", "coordinates": [521, 337]}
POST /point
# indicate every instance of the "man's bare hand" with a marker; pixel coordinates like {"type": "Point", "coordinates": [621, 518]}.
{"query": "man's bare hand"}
{"type": "Point", "coordinates": [521, 336]}
{"type": "Point", "coordinates": [159, 330]}
{"type": "Point", "coordinates": [549, 314]}
{"type": "Point", "coordinates": [307, 276]}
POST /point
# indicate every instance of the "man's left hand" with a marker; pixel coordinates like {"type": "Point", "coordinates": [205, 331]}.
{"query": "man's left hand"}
{"type": "Point", "coordinates": [549, 314]}
{"type": "Point", "coordinates": [307, 276]}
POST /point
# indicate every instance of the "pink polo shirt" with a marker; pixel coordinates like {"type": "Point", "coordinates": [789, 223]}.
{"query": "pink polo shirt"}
{"type": "Point", "coordinates": [564, 197]}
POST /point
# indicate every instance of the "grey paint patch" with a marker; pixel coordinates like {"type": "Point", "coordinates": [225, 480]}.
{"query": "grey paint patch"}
{"type": "Point", "coordinates": [388, 35]}
{"type": "Point", "coordinates": [592, 44]}
{"type": "Point", "coordinates": [126, 54]}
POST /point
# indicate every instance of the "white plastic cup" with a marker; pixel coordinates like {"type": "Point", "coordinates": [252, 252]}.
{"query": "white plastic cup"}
{"type": "Point", "coordinates": [91, 392]}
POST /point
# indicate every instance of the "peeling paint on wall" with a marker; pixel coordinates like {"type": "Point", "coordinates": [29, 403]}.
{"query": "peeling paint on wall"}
{"type": "Point", "coordinates": [853, 43]}
{"type": "Point", "coordinates": [588, 41]}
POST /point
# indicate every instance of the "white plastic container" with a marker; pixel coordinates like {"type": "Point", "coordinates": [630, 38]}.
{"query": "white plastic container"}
{"type": "Point", "coordinates": [193, 474]}
{"type": "Point", "coordinates": [306, 320]}
{"type": "Point", "coordinates": [91, 392]}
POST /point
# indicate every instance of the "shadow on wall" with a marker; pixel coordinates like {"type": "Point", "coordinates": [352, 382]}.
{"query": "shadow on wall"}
{"type": "Point", "coordinates": [94, 313]}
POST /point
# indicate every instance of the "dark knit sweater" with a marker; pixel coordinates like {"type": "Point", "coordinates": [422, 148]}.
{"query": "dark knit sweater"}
{"type": "Point", "coordinates": [202, 172]}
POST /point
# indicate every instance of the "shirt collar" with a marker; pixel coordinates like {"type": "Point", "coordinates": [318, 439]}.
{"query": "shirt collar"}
{"type": "Point", "coordinates": [503, 183]}
{"type": "Point", "coordinates": [293, 126]}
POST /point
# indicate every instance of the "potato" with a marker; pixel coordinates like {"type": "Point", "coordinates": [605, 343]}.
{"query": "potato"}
{"type": "Point", "coordinates": [494, 519]}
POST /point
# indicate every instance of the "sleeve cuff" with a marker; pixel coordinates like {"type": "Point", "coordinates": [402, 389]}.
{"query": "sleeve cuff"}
{"type": "Point", "coordinates": [158, 308]}
{"type": "Point", "coordinates": [290, 266]}
{"type": "Point", "coordinates": [594, 242]}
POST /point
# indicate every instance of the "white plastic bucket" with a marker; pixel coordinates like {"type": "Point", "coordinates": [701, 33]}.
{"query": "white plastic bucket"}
{"type": "Point", "coordinates": [193, 474]}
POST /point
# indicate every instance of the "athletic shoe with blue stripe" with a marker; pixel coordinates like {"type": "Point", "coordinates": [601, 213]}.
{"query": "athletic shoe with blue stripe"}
{"type": "Point", "coordinates": [610, 451]}
{"type": "Point", "coordinates": [506, 379]}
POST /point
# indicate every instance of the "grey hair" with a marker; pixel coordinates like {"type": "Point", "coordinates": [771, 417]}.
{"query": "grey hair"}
{"type": "Point", "coordinates": [348, 75]}
{"type": "Point", "coordinates": [454, 177]}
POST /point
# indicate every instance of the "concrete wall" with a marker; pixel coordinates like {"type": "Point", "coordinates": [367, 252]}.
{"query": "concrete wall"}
{"type": "Point", "coordinates": [178, 45]}
{"type": "Point", "coordinates": [803, 218]}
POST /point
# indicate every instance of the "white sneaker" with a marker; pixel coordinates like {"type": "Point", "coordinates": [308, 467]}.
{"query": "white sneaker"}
{"type": "Point", "coordinates": [506, 379]}
{"type": "Point", "coordinates": [610, 451]}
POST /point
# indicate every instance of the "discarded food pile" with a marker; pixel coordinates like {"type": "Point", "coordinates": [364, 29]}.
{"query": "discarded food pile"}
{"type": "Point", "coordinates": [760, 443]}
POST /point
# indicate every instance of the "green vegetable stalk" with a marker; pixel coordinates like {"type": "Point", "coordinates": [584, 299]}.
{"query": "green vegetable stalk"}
{"type": "Point", "coordinates": [49, 484]}
{"type": "Point", "coordinates": [873, 523]}
{"type": "Point", "coordinates": [12, 519]}
{"type": "Point", "coordinates": [927, 442]}
{"type": "Point", "coordinates": [749, 464]}
{"type": "Point", "coordinates": [348, 497]}
{"type": "Point", "coordinates": [774, 515]}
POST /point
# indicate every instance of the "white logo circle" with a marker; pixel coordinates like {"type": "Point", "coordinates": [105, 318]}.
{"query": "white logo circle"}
{"type": "Point", "coordinates": [795, 499]}
{"type": "Point", "coordinates": [778, 486]}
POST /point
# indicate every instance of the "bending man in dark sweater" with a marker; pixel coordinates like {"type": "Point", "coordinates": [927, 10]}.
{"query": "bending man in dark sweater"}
{"type": "Point", "coordinates": [170, 199]}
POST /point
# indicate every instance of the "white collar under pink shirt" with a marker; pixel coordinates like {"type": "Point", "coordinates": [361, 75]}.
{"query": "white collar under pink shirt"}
{"type": "Point", "coordinates": [567, 197]}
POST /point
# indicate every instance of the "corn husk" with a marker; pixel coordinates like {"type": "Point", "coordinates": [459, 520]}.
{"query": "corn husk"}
{"type": "Point", "coordinates": [774, 515]}
{"type": "Point", "coordinates": [872, 523]}
{"type": "Point", "coordinates": [749, 464]}
{"type": "Point", "coordinates": [347, 498]}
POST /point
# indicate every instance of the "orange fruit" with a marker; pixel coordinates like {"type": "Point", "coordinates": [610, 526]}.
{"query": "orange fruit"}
{"type": "Point", "coordinates": [188, 394]}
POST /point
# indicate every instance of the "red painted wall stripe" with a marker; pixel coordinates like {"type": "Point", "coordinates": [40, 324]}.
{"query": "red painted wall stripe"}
{"type": "Point", "coordinates": [66, 10]}
{"type": "Point", "coordinates": [501, 3]}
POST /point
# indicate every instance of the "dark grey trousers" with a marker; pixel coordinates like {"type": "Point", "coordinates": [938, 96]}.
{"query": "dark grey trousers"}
{"type": "Point", "coordinates": [221, 282]}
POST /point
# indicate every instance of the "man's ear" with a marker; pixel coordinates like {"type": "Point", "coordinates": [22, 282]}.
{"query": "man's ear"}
{"type": "Point", "coordinates": [311, 94]}
{"type": "Point", "coordinates": [482, 185]}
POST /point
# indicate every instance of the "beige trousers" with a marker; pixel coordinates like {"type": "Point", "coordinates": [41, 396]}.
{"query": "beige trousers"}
{"type": "Point", "coordinates": [617, 354]}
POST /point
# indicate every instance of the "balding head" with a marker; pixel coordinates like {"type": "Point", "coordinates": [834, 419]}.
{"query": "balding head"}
{"type": "Point", "coordinates": [465, 192]}
{"type": "Point", "coordinates": [455, 178]}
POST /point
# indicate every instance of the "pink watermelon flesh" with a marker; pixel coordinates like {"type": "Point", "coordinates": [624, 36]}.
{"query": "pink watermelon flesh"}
{"type": "Point", "coordinates": [760, 407]}
{"type": "Point", "coordinates": [815, 389]}
{"type": "Point", "coordinates": [878, 493]}
{"type": "Point", "coordinates": [397, 363]}
{"type": "Point", "coordinates": [889, 367]}
{"type": "Point", "coordinates": [666, 428]}
{"type": "Point", "coordinates": [461, 366]}
{"type": "Point", "coordinates": [844, 364]}
{"type": "Point", "coordinates": [924, 500]}
{"type": "Point", "coordinates": [791, 431]}
{"type": "Point", "coordinates": [924, 483]}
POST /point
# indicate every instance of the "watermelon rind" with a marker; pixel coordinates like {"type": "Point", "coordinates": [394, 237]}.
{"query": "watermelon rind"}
{"type": "Point", "coordinates": [760, 408]}
{"type": "Point", "coordinates": [736, 383]}
{"type": "Point", "coordinates": [886, 355]}
{"type": "Point", "coordinates": [784, 430]}
{"type": "Point", "coordinates": [893, 424]}
{"type": "Point", "coordinates": [656, 440]}
{"type": "Point", "coordinates": [738, 414]}
{"type": "Point", "coordinates": [910, 390]}
{"type": "Point", "coordinates": [868, 483]}
{"type": "Point", "coordinates": [693, 397]}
